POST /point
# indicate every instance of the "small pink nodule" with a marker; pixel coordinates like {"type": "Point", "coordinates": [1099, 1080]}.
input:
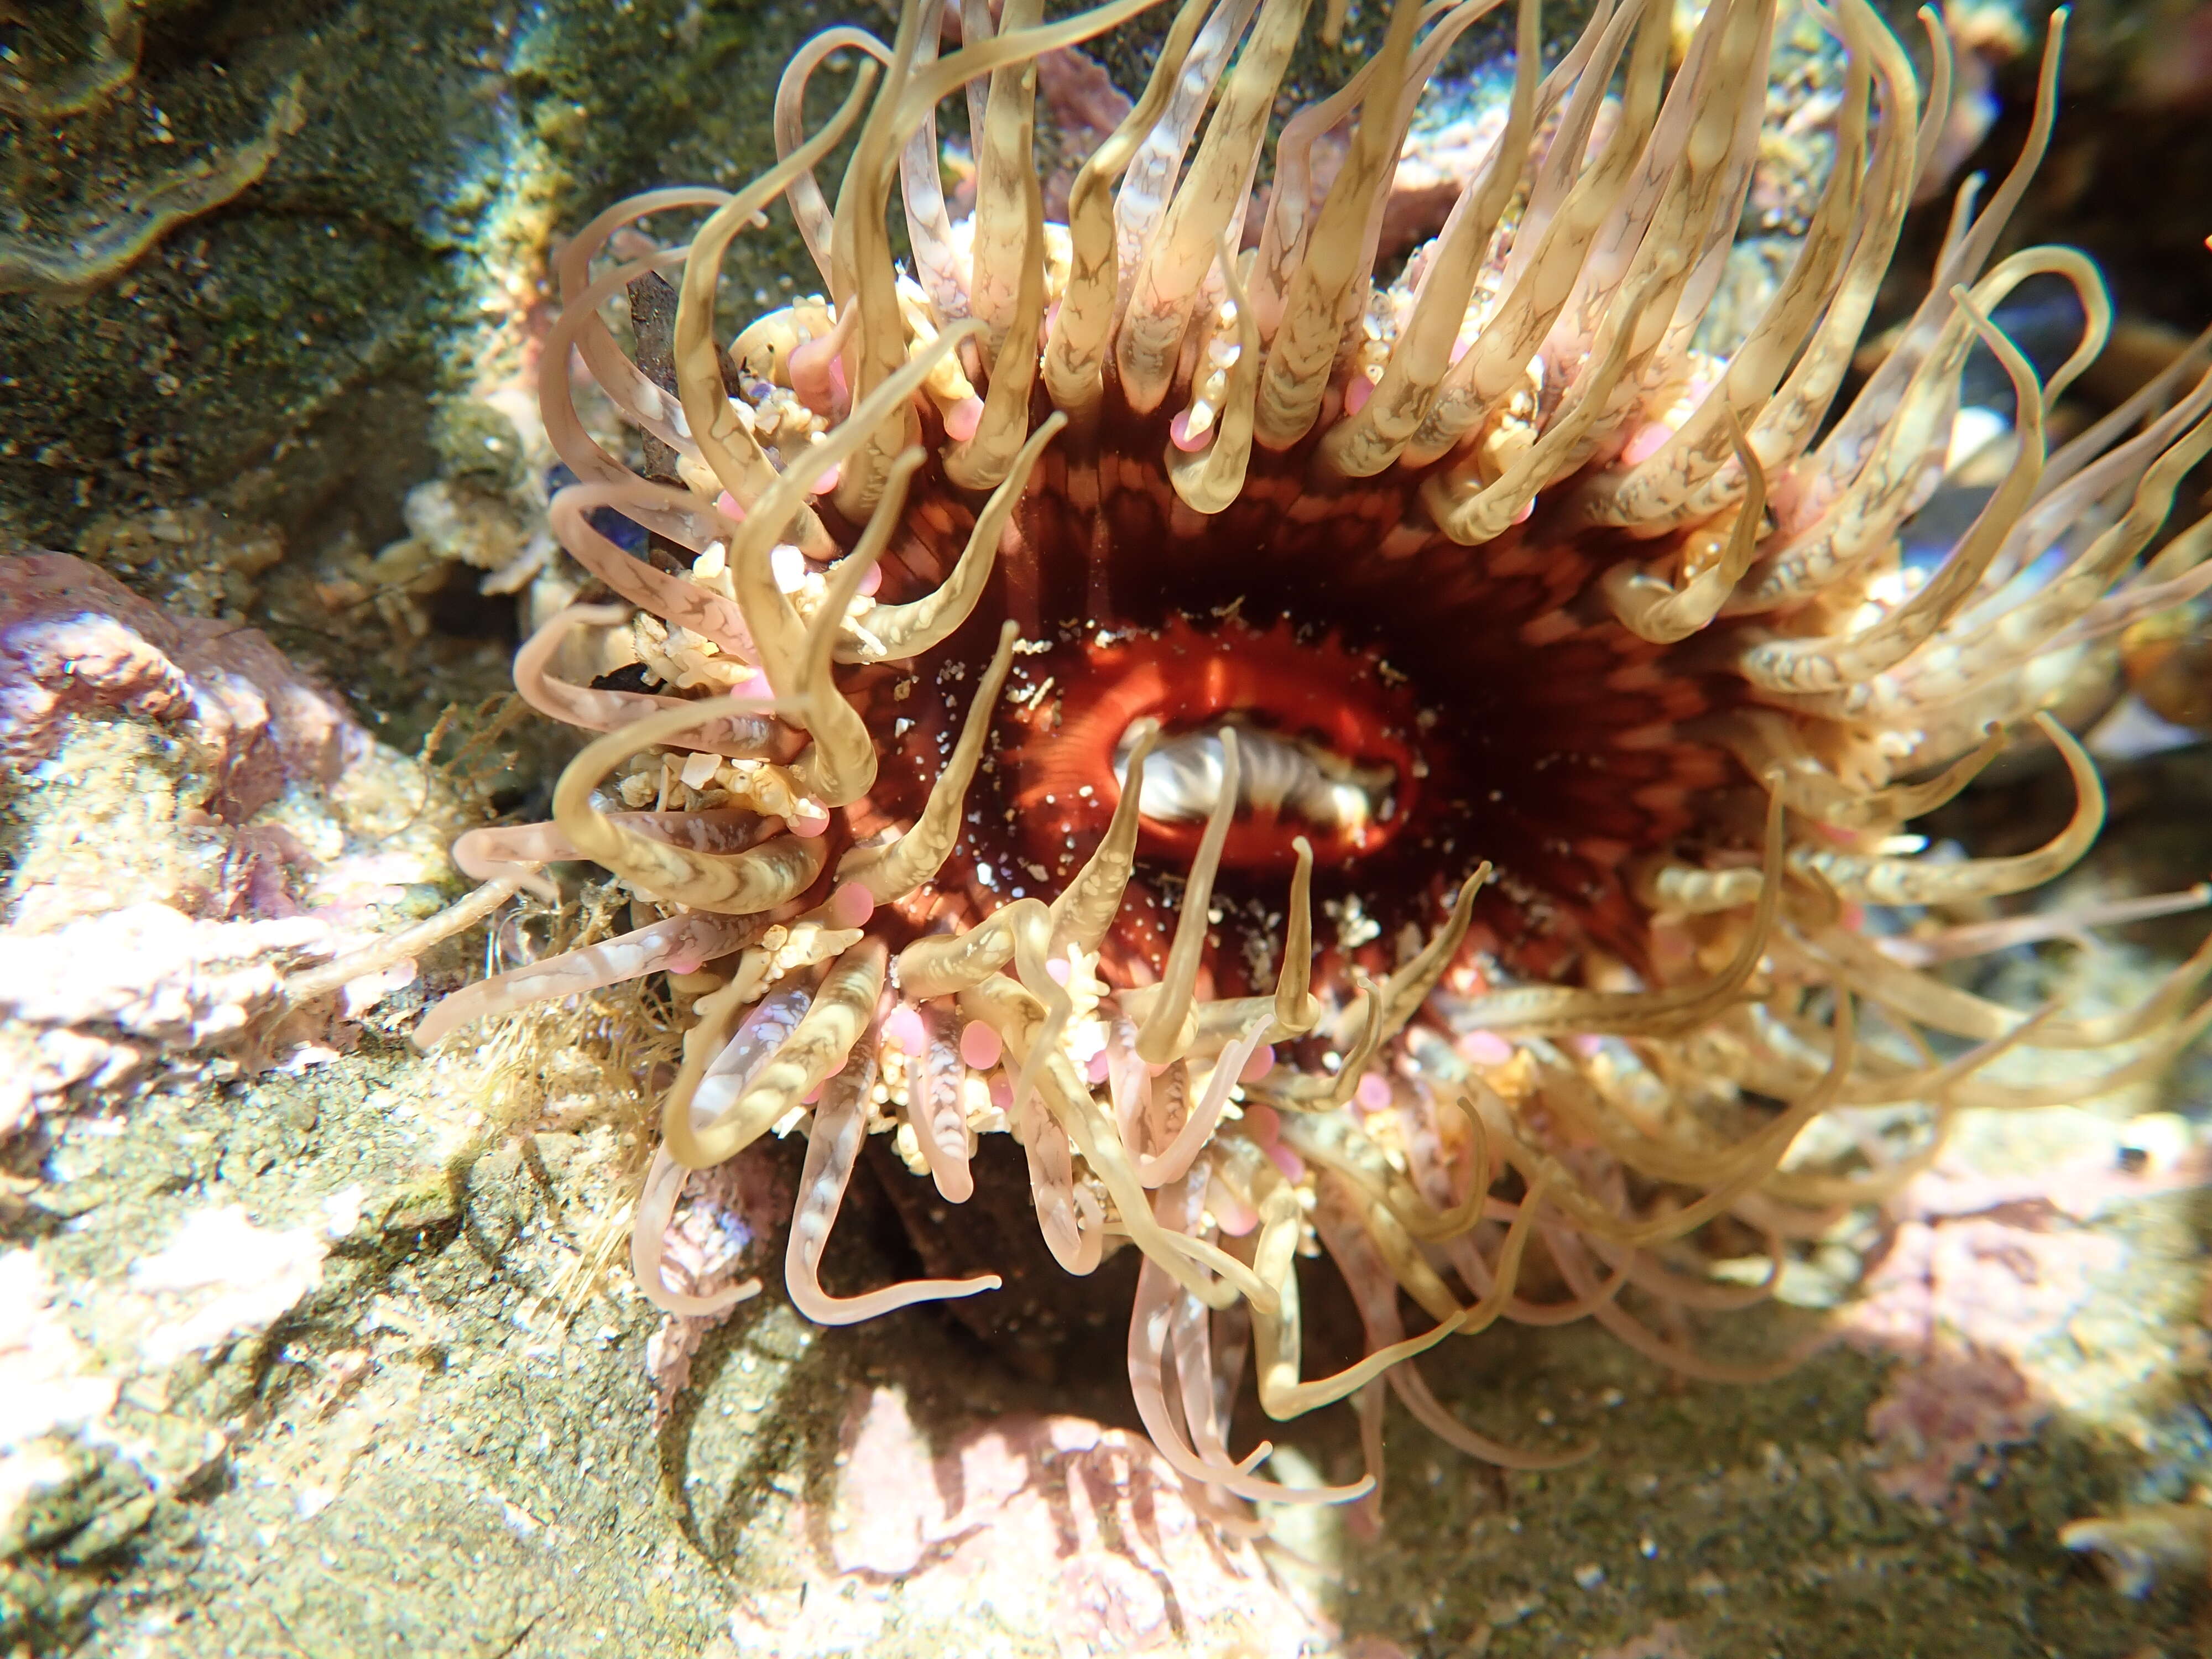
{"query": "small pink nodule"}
{"type": "Point", "coordinates": [1374, 1093]}
{"type": "Point", "coordinates": [814, 1096]}
{"type": "Point", "coordinates": [726, 505]}
{"type": "Point", "coordinates": [962, 418]}
{"type": "Point", "coordinates": [1181, 435]}
{"type": "Point", "coordinates": [686, 963]}
{"type": "Point", "coordinates": [1236, 1217]}
{"type": "Point", "coordinates": [1648, 441]}
{"type": "Point", "coordinates": [872, 582]}
{"type": "Point", "coordinates": [903, 1031]}
{"type": "Point", "coordinates": [1356, 392]}
{"type": "Point", "coordinates": [980, 1046]}
{"type": "Point", "coordinates": [1485, 1048]}
{"type": "Point", "coordinates": [850, 905]}
{"type": "Point", "coordinates": [1526, 513]}
{"type": "Point", "coordinates": [1262, 1063]}
{"type": "Point", "coordinates": [1292, 1166]}
{"type": "Point", "coordinates": [1264, 1124]}
{"type": "Point", "coordinates": [1055, 969]}
{"type": "Point", "coordinates": [827, 482]}
{"type": "Point", "coordinates": [1095, 1071]}
{"type": "Point", "coordinates": [808, 821]}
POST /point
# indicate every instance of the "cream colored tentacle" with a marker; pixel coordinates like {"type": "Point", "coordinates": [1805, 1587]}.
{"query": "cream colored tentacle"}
{"type": "Point", "coordinates": [1303, 353]}
{"type": "Point", "coordinates": [814, 1052]}
{"type": "Point", "coordinates": [809, 210]}
{"type": "Point", "coordinates": [1469, 511]}
{"type": "Point", "coordinates": [1653, 609]}
{"type": "Point", "coordinates": [1655, 495]}
{"type": "Point", "coordinates": [1365, 443]}
{"type": "Point", "coordinates": [1085, 911]}
{"type": "Point", "coordinates": [1005, 244]}
{"type": "Point", "coordinates": [1942, 65]}
{"type": "Point", "coordinates": [1902, 881]}
{"type": "Point", "coordinates": [596, 710]}
{"type": "Point", "coordinates": [1297, 1010]}
{"type": "Point", "coordinates": [1075, 353]}
{"type": "Point", "coordinates": [1766, 741]}
{"type": "Point", "coordinates": [833, 1147]}
{"type": "Point", "coordinates": [644, 403]}
{"type": "Point", "coordinates": [1011, 1011]}
{"type": "Point", "coordinates": [941, 964]}
{"type": "Point", "coordinates": [1826, 663]}
{"type": "Point", "coordinates": [1148, 182]}
{"type": "Point", "coordinates": [1857, 522]}
{"type": "Point", "coordinates": [1163, 1034]}
{"type": "Point", "coordinates": [1547, 1009]}
{"type": "Point", "coordinates": [1542, 275]}
{"type": "Point", "coordinates": [840, 766]}
{"type": "Point", "coordinates": [892, 872]}
{"type": "Point", "coordinates": [1407, 989]}
{"type": "Point", "coordinates": [774, 622]}
{"type": "Point", "coordinates": [1871, 412]}
{"type": "Point", "coordinates": [1166, 282]}
{"type": "Point", "coordinates": [1992, 646]}
{"type": "Point", "coordinates": [726, 445]}
{"type": "Point", "coordinates": [737, 884]}
{"type": "Point", "coordinates": [1210, 480]}
{"type": "Point", "coordinates": [984, 460]}
{"type": "Point", "coordinates": [892, 633]}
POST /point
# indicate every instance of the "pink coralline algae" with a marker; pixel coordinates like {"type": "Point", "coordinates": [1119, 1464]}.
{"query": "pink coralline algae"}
{"type": "Point", "coordinates": [195, 832]}
{"type": "Point", "coordinates": [1028, 1523]}
{"type": "Point", "coordinates": [73, 640]}
{"type": "Point", "coordinates": [1982, 1274]}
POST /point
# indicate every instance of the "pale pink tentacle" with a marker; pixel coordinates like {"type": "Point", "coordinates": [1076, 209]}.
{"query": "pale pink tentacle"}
{"type": "Point", "coordinates": [833, 1146]}
{"type": "Point", "coordinates": [679, 944]}
{"type": "Point", "coordinates": [656, 1208]}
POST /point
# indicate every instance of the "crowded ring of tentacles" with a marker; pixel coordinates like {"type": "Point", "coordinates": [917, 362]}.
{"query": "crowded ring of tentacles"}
{"type": "Point", "coordinates": [1406, 770]}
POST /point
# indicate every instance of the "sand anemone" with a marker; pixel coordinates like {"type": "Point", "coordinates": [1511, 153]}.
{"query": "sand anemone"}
{"type": "Point", "coordinates": [1521, 702]}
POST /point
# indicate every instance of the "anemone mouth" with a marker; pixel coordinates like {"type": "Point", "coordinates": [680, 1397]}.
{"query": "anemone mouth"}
{"type": "Point", "coordinates": [1410, 707]}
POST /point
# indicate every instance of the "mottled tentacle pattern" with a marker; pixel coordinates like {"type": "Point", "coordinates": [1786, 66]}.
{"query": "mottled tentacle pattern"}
{"type": "Point", "coordinates": [1393, 766]}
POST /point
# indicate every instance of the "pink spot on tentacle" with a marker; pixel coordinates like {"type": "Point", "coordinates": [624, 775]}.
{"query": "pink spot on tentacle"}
{"type": "Point", "coordinates": [807, 820]}
{"type": "Point", "coordinates": [686, 963]}
{"type": "Point", "coordinates": [903, 1031]}
{"type": "Point", "coordinates": [1648, 441]}
{"type": "Point", "coordinates": [1235, 1216]}
{"type": "Point", "coordinates": [980, 1046]}
{"type": "Point", "coordinates": [816, 374]}
{"type": "Point", "coordinates": [1055, 969]}
{"type": "Point", "coordinates": [726, 505]}
{"type": "Point", "coordinates": [1181, 435]}
{"type": "Point", "coordinates": [871, 583]}
{"type": "Point", "coordinates": [827, 482]}
{"type": "Point", "coordinates": [1292, 1166]}
{"type": "Point", "coordinates": [962, 418]}
{"type": "Point", "coordinates": [850, 905]}
{"type": "Point", "coordinates": [1097, 1070]}
{"type": "Point", "coordinates": [1357, 390]}
{"type": "Point", "coordinates": [1264, 1124]}
{"type": "Point", "coordinates": [1485, 1048]}
{"type": "Point", "coordinates": [1526, 513]}
{"type": "Point", "coordinates": [1262, 1063]}
{"type": "Point", "coordinates": [1374, 1093]}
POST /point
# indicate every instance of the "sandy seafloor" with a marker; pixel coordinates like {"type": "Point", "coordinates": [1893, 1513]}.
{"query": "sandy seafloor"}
{"type": "Point", "coordinates": [306, 1345]}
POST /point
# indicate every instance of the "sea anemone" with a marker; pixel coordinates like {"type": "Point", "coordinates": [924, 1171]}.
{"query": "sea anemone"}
{"type": "Point", "coordinates": [1024, 644]}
